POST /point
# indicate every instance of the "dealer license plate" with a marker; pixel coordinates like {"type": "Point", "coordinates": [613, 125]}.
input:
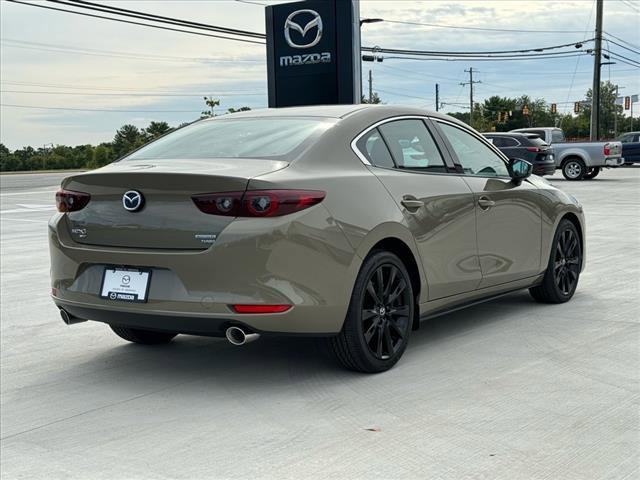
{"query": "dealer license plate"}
{"type": "Point", "coordinates": [125, 284]}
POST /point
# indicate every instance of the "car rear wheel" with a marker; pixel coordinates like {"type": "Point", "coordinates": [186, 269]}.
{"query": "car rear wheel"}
{"type": "Point", "coordinates": [592, 173]}
{"type": "Point", "coordinates": [574, 169]}
{"type": "Point", "coordinates": [563, 270]}
{"type": "Point", "coordinates": [378, 323]}
{"type": "Point", "coordinates": [145, 337]}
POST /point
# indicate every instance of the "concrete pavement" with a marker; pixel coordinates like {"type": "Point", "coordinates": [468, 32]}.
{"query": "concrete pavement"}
{"type": "Point", "coordinates": [509, 389]}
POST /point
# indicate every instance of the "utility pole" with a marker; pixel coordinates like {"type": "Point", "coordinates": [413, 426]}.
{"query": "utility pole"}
{"type": "Point", "coordinates": [437, 96]}
{"type": "Point", "coordinates": [370, 87]}
{"type": "Point", "coordinates": [595, 90]}
{"type": "Point", "coordinates": [470, 83]}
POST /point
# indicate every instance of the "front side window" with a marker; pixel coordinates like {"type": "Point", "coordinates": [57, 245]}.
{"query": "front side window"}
{"type": "Point", "coordinates": [412, 146]}
{"type": "Point", "coordinates": [474, 156]}
{"type": "Point", "coordinates": [273, 138]}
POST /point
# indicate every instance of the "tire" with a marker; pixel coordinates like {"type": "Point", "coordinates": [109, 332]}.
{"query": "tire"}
{"type": "Point", "coordinates": [592, 173]}
{"type": "Point", "coordinates": [144, 337]}
{"type": "Point", "coordinates": [574, 169]}
{"type": "Point", "coordinates": [563, 270]}
{"type": "Point", "coordinates": [373, 339]}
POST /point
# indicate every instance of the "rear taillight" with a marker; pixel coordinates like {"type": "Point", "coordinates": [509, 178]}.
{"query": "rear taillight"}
{"type": "Point", "coordinates": [70, 201]}
{"type": "Point", "coordinates": [260, 308]}
{"type": "Point", "coordinates": [607, 149]}
{"type": "Point", "coordinates": [257, 203]}
{"type": "Point", "coordinates": [533, 149]}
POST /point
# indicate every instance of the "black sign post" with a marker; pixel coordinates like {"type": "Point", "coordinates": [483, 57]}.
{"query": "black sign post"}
{"type": "Point", "coordinates": [313, 53]}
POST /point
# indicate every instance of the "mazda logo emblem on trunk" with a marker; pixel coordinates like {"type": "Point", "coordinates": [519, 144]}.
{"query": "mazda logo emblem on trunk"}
{"type": "Point", "coordinates": [132, 201]}
{"type": "Point", "coordinates": [291, 24]}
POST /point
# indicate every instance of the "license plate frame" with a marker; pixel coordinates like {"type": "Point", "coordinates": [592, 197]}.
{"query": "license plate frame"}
{"type": "Point", "coordinates": [133, 289]}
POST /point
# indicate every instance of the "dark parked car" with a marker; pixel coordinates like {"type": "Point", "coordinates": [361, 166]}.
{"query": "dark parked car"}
{"type": "Point", "coordinates": [527, 146]}
{"type": "Point", "coordinates": [630, 147]}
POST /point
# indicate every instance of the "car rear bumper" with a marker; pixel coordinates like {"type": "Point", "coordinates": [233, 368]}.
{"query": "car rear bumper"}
{"type": "Point", "coordinates": [614, 161]}
{"type": "Point", "coordinates": [544, 168]}
{"type": "Point", "coordinates": [303, 261]}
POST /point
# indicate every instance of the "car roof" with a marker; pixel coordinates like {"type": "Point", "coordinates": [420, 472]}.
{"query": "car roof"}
{"type": "Point", "coordinates": [509, 134]}
{"type": "Point", "coordinates": [337, 111]}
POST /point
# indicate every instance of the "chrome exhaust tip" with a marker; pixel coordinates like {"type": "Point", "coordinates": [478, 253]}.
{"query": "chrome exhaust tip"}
{"type": "Point", "coordinates": [70, 319]}
{"type": "Point", "coordinates": [238, 336]}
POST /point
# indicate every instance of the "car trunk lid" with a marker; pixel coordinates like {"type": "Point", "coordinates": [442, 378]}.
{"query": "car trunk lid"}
{"type": "Point", "coordinates": [167, 217]}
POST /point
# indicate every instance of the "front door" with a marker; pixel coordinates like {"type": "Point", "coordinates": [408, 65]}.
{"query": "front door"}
{"type": "Point", "coordinates": [509, 225]}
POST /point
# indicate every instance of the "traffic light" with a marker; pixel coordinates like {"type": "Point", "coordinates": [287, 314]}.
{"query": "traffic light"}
{"type": "Point", "coordinates": [576, 107]}
{"type": "Point", "coordinates": [554, 108]}
{"type": "Point", "coordinates": [525, 110]}
{"type": "Point", "coordinates": [627, 103]}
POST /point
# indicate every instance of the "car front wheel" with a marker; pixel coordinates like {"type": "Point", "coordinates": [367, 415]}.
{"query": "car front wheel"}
{"type": "Point", "coordinates": [379, 320]}
{"type": "Point", "coordinates": [592, 173]}
{"type": "Point", "coordinates": [563, 270]}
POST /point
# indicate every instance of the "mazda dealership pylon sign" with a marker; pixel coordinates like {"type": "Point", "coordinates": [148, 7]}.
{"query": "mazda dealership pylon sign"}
{"type": "Point", "coordinates": [313, 53]}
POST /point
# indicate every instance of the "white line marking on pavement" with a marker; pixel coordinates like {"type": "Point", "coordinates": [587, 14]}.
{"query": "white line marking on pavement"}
{"type": "Point", "coordinates": [35, 192]}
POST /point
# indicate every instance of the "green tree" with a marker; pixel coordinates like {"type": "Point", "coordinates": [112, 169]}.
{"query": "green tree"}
{"type": "Point", "coordinates": [126, 139]}
{"type": "Point", "coordinates": [375, 99]}
{"type": "Point", "coordinates": [211, 103]}
{"type": "Point", "coordinates": [156, 129]}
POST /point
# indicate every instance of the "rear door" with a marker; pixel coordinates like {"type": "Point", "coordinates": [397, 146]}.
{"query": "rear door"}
{"type": "Point", "coordinates": [437, 204]}
{"type": "Point", "coordinates": [509, 225]}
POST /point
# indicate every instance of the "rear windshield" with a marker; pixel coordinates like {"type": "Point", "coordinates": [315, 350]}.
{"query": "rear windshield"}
{"type": "Point", "coordinates": [536, 140]}
{"type": "Point", "coordinates": [272, 138]}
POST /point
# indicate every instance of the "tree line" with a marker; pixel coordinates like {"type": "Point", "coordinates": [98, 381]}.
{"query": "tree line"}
{"type": "Point", "coordinates": [494, 114]}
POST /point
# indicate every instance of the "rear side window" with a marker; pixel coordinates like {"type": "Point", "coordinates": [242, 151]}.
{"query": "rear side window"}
{"type": "Point", "coordinates": [509, 142]}
{"type": "Point", "coordinates": [536, 141]}
{"type": "Point", "coordinates": [412, 146]}
{"type": "Point", "coordinates": [497, 141]}
{"type": "Point", "coordinates": [372, 146]}
{"type": "Point", "coordinates": [273, 138]}
{"type": "Point", "coordinates": [557, 136]}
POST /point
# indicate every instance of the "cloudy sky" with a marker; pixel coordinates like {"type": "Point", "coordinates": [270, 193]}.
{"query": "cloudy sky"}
{"type": "Point", "coordinates": [103, 74]}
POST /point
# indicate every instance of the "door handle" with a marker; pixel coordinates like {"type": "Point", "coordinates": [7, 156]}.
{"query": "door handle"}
{"type": "Point", "coordinates": [485, 203]}
{"type": "Point", "coordinates": [411, 203]}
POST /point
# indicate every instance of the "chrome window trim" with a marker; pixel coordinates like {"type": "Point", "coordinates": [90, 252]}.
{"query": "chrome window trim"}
{"type": "Point", "coordinates": [354, 142]}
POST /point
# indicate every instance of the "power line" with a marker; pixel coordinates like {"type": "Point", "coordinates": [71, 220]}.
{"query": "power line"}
{"type": "Point", "coordinates": [622, 46]}
{"type": "Point", "coordinates": [217, 94]}
{"type": "Point", "coordinates": [484, 59]}
{"type": "Point", "coordinates": [156, 18]}
{"type": "Point", "coordinates": [483, 29]}
{"type": "Point", "coordinates": [136, 23]}
{"type": "Point", "coordinates": [37, 107]}
{"type": "Point", "coordinates": [50, 47]}
{"type": "Point", "coordinates": [622, 40]}
{"type": "Point", "coordinates": [112, 89]}
{"type": "Point", "coordinates": [538, 50]}
{"type": "Point", "coordinates": [630, 5]}
{"type": "Point", "coordinates": [403, 95]}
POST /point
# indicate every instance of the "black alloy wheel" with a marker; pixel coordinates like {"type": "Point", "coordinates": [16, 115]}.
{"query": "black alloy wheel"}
{"type": "Point", "coordinates": [385, 311]}
{"type": "Point", "coordinates": [563, 270]}
{"type": "Point", "coordinates": [380, 316]}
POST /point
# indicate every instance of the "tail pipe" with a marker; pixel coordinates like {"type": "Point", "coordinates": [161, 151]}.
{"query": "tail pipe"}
{"type": "Point", "coordinates": [70, 319]}
{"type": "Point", "coordinates": [237, 336]}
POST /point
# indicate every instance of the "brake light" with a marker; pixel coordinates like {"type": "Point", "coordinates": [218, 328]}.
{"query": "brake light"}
{"type": "Point", "coordinates": [607, 149]}
{"type": "Point", "coordinates": [260, 308]}
{"type": "Point", "coordinates": [257, 203]}
{"type": "Point", "coordinates": [70, 201]}
{"type": "Point", "coordinates": [533, 149]}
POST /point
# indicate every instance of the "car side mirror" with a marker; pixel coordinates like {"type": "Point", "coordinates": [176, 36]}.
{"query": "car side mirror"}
{"type": "Point", "coordinates": [519, 169]}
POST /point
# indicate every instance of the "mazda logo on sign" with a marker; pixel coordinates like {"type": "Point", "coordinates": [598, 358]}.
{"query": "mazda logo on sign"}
{"type": "Point", "coordinates": [132, 201]}
{"type": "Point", "coordinates": [290, 24]}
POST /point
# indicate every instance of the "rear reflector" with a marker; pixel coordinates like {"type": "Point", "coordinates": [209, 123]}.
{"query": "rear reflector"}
{"type": "Point", "coordinates": [257, 203]}
{"type": "Point", "coordinates": [533, 149]}
{"type": "Point", "coordinates": [70, 201]}
{"type": "Point", "coordinates": [260, 308]}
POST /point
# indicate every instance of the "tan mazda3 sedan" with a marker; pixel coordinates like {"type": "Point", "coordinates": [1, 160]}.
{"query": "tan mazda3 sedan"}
{"type": "Point", "coordinates": [351, 222]}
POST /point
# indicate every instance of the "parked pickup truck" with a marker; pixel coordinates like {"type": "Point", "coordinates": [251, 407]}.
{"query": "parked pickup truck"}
{"type": "Point", "coordinates": [579, 161]}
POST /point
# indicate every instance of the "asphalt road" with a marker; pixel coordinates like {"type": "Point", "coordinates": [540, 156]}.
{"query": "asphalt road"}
{"type": "Point", "coordinates": [510, 389]}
